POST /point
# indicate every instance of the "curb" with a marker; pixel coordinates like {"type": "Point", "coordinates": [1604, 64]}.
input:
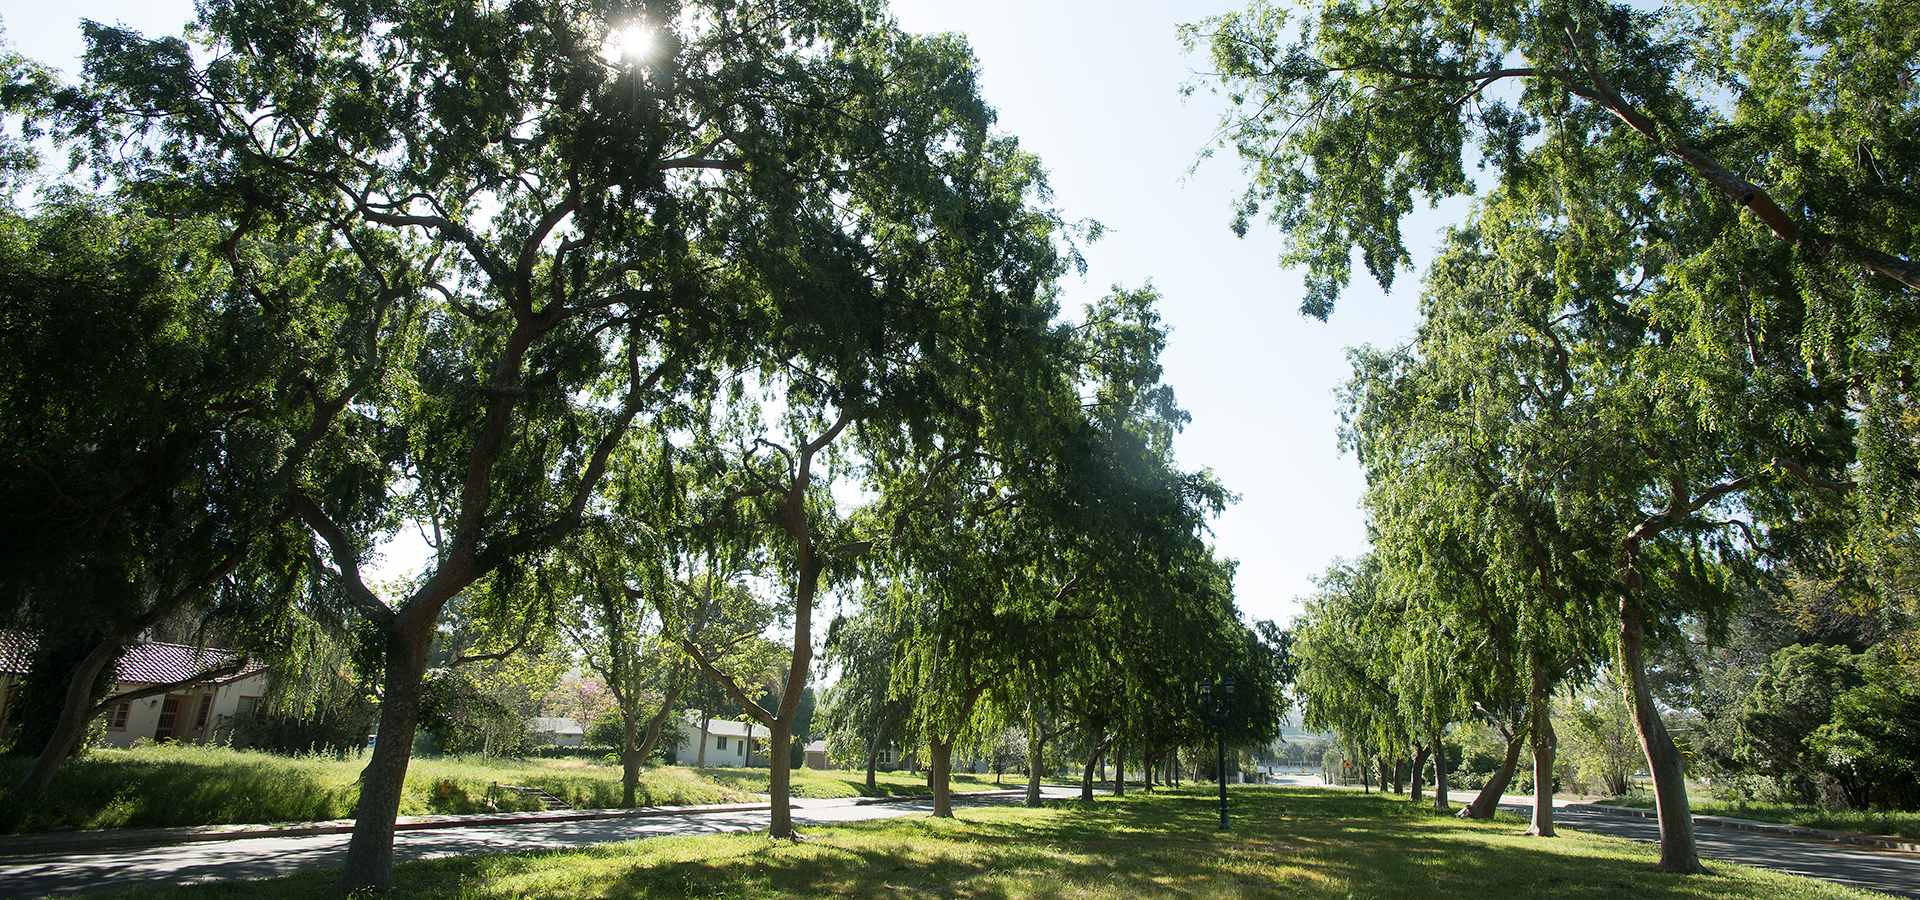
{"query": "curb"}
{"type": "Point", "coordinates": [1790, 831]}
{"type": "Point", "coordinates": [99, 841]}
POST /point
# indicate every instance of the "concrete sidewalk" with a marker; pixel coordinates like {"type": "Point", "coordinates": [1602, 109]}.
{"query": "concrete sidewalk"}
{"type": "Point", "coordinates": [123, 838]}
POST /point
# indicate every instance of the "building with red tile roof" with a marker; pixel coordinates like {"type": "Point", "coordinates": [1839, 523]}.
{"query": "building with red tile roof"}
{"type": "Point", "coordinates": [192, 711]}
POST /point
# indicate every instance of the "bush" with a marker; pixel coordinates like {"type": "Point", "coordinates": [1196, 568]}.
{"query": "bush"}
{"type": "Point", "coordinates": [337, 732]}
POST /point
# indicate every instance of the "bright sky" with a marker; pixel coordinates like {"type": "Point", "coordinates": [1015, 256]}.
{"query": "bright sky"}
{"type": "Point", "coordinates": [1093, 88]}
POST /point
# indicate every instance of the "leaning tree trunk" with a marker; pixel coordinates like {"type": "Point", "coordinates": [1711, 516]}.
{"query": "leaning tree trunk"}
{"type": "Point", "coordinates": [657, 726]}
{"type": "Point", "coordinates": [1678, 851]}
{"type": "Point", "coordinates": [1093, 759]}
{"type": "Point", "coordinates": [1420, 753]}
{"type": "Point", "coordinates": [369, 862]}
{"type": "Point", "coordinates": [1545, 746]}
{"type": "Point", "coordinates": [74, 717]}
{"type": "Point", "coordinates": [1484, 805]}
{"type": "Point", "coordinates": [939, 776]}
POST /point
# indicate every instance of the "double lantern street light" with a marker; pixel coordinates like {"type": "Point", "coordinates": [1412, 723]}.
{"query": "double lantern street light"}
{"type": "Point", "coordinates": [1218, 707]}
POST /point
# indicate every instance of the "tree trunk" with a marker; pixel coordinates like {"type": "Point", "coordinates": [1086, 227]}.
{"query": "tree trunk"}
{"type": "Point", "coordinates": [1678, 852]}
{"type": "Point", "coordinates": [1484, 805]}
{"type": "Point", "coordinates": [1440, 799]}
{"type": "Point", "coordinates": [1389, 774]}
{"type": "Point", "coordinates": [1420, 752]}
{"type": "Point", "coordinates": [1093, 759]}
{"type": "Point", "coordinates": [1119, 769]}
{"type": "Point", "coordinates": [780, 781]}
{"type": "Point", "coordinates": [1545, 744]}
{"type": "Point", "coordinates": [369, 862]}
{"type": "Point", "coordinates": [875, 743]}
{"type": "Point", "coordinates": [74, 717]}
{"type": "Point", "coordinates": [706, 719]}
{"type": "Point", "coordinates": [940, 774]}
{"type": "Point", "coordinates": [657, 725]}
{"type": "Point", "coordinates": [1036, 745]}
{"type": "Point", "coordinates": [629, 758]}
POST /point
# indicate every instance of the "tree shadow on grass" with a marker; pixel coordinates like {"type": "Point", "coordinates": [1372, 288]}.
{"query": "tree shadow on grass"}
{"type": "Point", "coordinates": [1283, 845]}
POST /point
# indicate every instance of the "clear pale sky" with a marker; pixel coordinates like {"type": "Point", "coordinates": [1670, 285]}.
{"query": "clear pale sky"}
{"type": "Point", "coordinates": [1093, 89]}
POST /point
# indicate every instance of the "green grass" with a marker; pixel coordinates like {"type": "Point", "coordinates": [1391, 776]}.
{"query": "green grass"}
{"type": "Point", "coordinates": [1287, 842]}
{"type": "Point", "coordinates": [1904, 824]}
{"type": "Point", "coordinates": [176, 785]}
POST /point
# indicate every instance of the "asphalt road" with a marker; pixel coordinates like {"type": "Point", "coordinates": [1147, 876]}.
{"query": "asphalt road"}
{"type": "Point", "coordinates": [1888, 871]}
{"type": "Point", "coordinates": [271, 857]}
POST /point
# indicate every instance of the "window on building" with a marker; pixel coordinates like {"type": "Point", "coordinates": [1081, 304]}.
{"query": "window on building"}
{"type": "Point", "coordinates": [200, 719]}
{"type": "Point", "coordinates": [249, 706]}
{"type": "Point", "coordinates": [117, 719]}
{"type": "Point", "coordinates": [720, 743]}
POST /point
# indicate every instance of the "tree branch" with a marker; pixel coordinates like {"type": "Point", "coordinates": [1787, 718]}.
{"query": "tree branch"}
{"type": "Point", "coordinates": [233, 668]}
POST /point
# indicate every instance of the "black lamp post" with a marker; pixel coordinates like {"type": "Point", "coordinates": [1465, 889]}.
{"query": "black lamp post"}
{"type": "Point", "coordinates": [1217, 708]}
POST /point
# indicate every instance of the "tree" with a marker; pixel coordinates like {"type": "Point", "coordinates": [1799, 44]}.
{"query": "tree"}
{"type": "Point", "coordinates": [1346, 117]}
{"type": "Point", "coordinates": [1869, 744]}
{"type": "Point", "coordinates": [919, 285]}
{"type": "Point", "coordinates": [1552, 338]}
{"type": "Point", "coordinates": [591, 227]}
{"type": "Point", "coordinates": [164, 400]}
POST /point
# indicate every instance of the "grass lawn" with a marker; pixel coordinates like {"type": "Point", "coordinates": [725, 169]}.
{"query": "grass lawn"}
{"type": "Point", "coordinates": [1287, 842]}
{"type": "Point", "coordinates": [1904, 824]}
{"type": "Point", "coordinates": [173, 785]}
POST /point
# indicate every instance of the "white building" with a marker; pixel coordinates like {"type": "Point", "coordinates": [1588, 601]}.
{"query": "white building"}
{"type": "Point", "coordinates": [726, 742]}
{"type": "Point", "coordinates": [186, 713]}
{"type": "Point", "coordinates": [560, 730]}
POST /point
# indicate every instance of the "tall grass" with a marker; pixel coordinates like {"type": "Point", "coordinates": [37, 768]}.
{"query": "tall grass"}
{"type": "Point", "coordinates": [173, 785]}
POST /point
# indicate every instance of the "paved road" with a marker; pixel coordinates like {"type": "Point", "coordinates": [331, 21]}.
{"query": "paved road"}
{"type": "Point", "coordinates": [270, 857]}
{"type": "Point", "coordinates": [1889, 871]}
{"type": "Point", "coordinates": [1880, 870]}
